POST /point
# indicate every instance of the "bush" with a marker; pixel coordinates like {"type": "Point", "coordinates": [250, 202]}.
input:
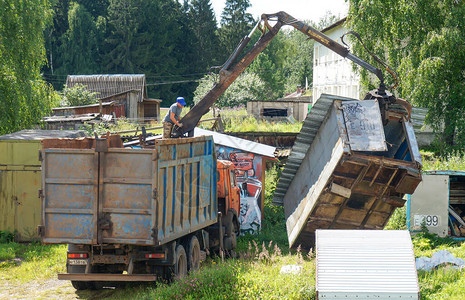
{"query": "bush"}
{"type": "Point", "coordinates": [6, 237]}
{"type": "Point", "coordinates": [398, 219]}
{"type": "Point", "coordinates": [78, 95]}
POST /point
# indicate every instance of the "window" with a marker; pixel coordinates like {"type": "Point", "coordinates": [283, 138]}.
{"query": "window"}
{"type": "Point", "coordinates": [233, 179]}
{"type": "Point", "coordinates": [275, 112]}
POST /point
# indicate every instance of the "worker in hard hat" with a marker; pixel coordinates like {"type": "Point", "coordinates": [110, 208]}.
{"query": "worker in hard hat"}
{"type": "Point", "coordinates": [173, 117]}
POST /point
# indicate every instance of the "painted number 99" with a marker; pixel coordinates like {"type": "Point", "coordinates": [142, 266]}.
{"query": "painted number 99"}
{"type": "Point", "coordinates": [426, 220]}
{"type": "Point", "coordinates": [431, 220]}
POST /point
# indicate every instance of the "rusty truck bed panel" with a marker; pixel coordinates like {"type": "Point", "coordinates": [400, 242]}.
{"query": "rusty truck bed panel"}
{"type": "Point", "coordinates": [332, 184]}
{"type": "Point", "coordinates": [129, 196]}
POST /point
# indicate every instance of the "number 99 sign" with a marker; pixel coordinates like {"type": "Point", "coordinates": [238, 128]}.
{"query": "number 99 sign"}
{"type": "Point", "coordinates": [428, 220]}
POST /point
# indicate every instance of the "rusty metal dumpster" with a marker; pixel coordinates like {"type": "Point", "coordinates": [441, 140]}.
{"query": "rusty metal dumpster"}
{"type": "Point", "coordinates": [128, 196]}
{"type": "Point", "coordinates": [347, 170]}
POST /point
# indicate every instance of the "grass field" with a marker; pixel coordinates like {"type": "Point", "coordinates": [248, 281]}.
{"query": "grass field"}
{"type": "Point", "coordinates": [255, 275]}
{"type": "Point", "coordinates": [234, 120]}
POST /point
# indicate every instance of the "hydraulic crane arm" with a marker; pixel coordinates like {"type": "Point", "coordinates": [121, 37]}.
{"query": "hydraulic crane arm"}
{"type": "Point", "coordinates": [231, 70]}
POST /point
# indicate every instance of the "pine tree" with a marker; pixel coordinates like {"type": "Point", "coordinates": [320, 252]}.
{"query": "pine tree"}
{"type": "Point", "coordinates": [235, 24]}
{"type": "Point", "coordinates": [206, 43]}
{"type": "Point", "coordinates": [78, 44]}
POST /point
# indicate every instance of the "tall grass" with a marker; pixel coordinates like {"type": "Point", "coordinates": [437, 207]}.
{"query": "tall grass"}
{"type": "Point", "coordinates": [255, 276]}
{"type": "Point", "coordinates": [26, 262]}
{"type": "Point", "coordinates": [450, 161]}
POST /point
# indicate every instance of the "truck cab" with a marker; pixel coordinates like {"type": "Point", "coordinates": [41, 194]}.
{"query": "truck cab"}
{"type": "Point", "coordinates": [229, 201]}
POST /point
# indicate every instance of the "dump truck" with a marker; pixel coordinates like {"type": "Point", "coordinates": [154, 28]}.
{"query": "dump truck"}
{"type": "Point", "coordinates": [347, 169]}
{"type": "Point", "coordinates": [136, 214]}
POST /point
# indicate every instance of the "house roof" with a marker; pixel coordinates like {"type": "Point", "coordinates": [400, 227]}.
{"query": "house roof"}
{"type": "Point", "coordinates": [109, 85]}
{"type": "Point", "coordinates": [237, 143]}
{"type": "Point", "coordinates": [301, 99]}
{"type": "Point", "coordinates": [335, 24]}
{"type": "Point", "coordinates": [83, 106]}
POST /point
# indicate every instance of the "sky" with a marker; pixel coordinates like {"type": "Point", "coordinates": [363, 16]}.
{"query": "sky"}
{"type": "Point", "coordinates": [312, 10]}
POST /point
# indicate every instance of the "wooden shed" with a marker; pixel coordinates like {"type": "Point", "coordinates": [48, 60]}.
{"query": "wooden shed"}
{"type": "Point", "coordinates": [297, 107]}
{"type": "Point", "coordinates": [127, 91]}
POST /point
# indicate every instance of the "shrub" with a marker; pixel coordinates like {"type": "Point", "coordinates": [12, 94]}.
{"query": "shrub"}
{"type": "Point", "coordinates": [6, 236]}
{"type": "Point", "coordinates": [78, 95]}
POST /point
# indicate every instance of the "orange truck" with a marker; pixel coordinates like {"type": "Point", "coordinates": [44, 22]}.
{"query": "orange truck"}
{"type": "Point", "coordinates": [137, 214]}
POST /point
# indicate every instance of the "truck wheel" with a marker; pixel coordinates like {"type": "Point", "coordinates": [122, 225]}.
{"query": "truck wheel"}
{"type": "Point", "coordinates": [193, 254]}
{"type": "Point", "coordinates": [180, 267]}
{"type": "Point", "coordinates": [78, 285]}
{"type": "Point", "coordinates": [231, 231]}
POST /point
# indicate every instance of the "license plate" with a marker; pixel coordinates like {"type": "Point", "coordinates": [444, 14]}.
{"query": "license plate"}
{"type": "Point", "coordinates": [77, 261]}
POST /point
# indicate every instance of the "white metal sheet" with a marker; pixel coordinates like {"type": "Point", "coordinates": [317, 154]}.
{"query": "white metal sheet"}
{"type": "Point", "coordinates": [237, 143]}
{"type": "Point", "coordinates": [429, 204]}
{"type": "Point", "coordinates": [364, 126]}
{"type": "Point", "coordinates": [354, 264]}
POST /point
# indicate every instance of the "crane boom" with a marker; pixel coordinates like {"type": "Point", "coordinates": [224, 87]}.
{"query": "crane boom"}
{"type": "Point", "coordinates": [231, 70]}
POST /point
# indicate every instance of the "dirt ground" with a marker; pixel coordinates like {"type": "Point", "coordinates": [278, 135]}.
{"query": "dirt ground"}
{"type": "Point", "coordinates": [49, 289]}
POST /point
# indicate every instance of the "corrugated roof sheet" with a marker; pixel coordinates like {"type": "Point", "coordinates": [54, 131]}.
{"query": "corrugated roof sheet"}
{"type": "Point", "coordinates": [303, 142]}
{"type": "Point", "coordinates": [43, 134]}
{"type": "Point", "coordinates": [366, 264]}
{"type": "Point", "coordinates": [82, 106]}
{"type": "Point", "coordinates": [237, 143]}
{"type": "Point", "coordinates": [109, 85]}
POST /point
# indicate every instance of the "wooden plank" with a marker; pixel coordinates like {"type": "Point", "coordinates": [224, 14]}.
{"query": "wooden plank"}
{"type": "Point", "coordinates": [411, 140]}
{"type": "Point", "coordinates": [340, 190]}
{"type": "Point", "coordinates": [356, 181]}
{"type": "Point", "coordinates": [372, 208]}
{"type": "Point", "coordinates": [342, 125]}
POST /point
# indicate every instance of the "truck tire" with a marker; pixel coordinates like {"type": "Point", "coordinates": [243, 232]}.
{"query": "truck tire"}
{"type": "Point", "coordinates": [78, 285]}
{"type": "Point", "coordinates": [231, 231]}
{"type": "Point", "coordinates": [180, 267]}
{"type": "Point", "coordinates": [193, 254]}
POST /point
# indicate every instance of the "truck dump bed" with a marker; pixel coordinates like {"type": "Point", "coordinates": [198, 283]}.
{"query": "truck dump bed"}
{"type": "Point", "coordinates": [347, 170]}
{"type": "Point", "coordinates": [128, 196]}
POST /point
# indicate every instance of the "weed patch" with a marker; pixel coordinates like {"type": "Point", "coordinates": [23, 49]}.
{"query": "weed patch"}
{"type": "Point", "coordinates": [25, 262]}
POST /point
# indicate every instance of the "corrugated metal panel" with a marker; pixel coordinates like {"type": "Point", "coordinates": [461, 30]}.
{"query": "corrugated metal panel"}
{"type": "Point", "coordinates": [237, 143]}
{"type": "Point", "coordinates": [109, 85]}
{"type": "Point", "coordinates": [42, 134]}
{"type": "Point", "coordinates": [365, 264]}
{"type": "Point", "coordinates": [303, 142]}
{"type": "Point", "coordinates": [20, 178]}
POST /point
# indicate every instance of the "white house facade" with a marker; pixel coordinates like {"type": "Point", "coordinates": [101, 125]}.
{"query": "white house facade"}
{"type": "Point", "coordinates": [333, 74]}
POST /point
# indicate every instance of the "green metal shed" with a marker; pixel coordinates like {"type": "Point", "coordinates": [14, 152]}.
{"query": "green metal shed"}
{"type": "Point", "coordinates": [20, 180]}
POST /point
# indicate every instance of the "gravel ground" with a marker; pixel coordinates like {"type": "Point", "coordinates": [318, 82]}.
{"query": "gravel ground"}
{"type": "Point", "coordinates": [49, 289]}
